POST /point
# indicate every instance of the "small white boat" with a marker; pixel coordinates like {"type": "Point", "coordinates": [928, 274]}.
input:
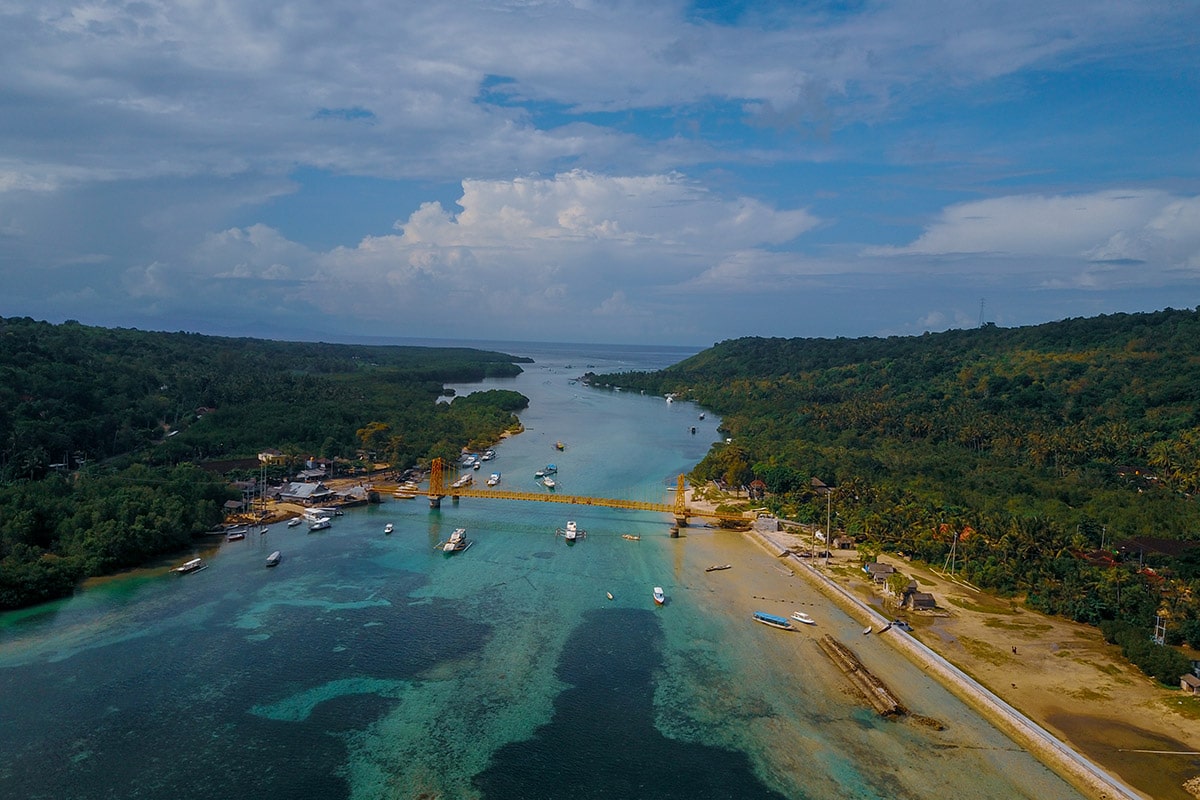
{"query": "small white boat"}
{"type": "Point", "coordinates": [493, 479]}
{"type": "Point", "coordinates": [263, 529]}
{"type": "Point", "coordinates": [610, 597]}
{"type": "Point", "coordinates": [388, 528]}
{"type": "Point", "coordinates": [488, 455]}
{"type": "Point", "coordinates": [717, 567]}
{"type": "Point", "coordinates": [274, 558]}
{"type": "Point", "coordinates": [294, 522]}
{"type": "Point", "coordinates": [772, 620]}
{"type": "Point", "coordinates": [800, 616]}
{"type": "Point", "coordinates": [572, 531]}
{"type": "Point", "coordinates": [659, 597]}
{"type": "Point", "coordinates": [633, 537]}
{"type": "Point", "coordinates": [235, 535]}
{"type": "Point", "coordinates": [548, 482]}
{"type": "Point", "coordinates": [868, 629]}
{"type": "Point", "coordinates": [195, 565]}
{"type": "Point", "coordinates": [320, 525]}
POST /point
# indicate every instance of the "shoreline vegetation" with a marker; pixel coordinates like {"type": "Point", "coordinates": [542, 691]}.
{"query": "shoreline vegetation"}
{"type": "Point", "coordinates": [1060, 692]}
{"type": "Point", "coordinates": [118, 446]}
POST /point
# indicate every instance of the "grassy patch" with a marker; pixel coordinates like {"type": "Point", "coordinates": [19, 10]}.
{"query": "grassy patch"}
{"type": "Point", "coordinates": [979, 608]}
{"type": "Point", "coordinates": [1029, 630]}
{"type": "Point", "coordinates": [1186, 705]}
{"type": "Point", "coordinates": [1088, 694]}
{"type": "Point", "coordinates": [984, 651]}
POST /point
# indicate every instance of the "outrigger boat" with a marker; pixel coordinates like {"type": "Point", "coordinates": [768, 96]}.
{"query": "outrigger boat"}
{"type": "Point", "coordinates": [717, 567]}
{"type": "Point", "coordinates": [772, 620]}
{"type": "Point", "coordinates": [571, 532]}
{"type": "Point", "coordinates": [456, 543]}
{"type": "Point", "coordinates": [631, 537]}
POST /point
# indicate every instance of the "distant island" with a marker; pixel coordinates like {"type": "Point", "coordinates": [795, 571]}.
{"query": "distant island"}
{"type": "Point", "coordinates": [119, 445]}
{"type": "Point", "coordinates": [1056, 463]}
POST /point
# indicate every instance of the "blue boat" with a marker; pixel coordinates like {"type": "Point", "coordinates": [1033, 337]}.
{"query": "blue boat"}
{"type": "Point", "coordinates": [772, 620]}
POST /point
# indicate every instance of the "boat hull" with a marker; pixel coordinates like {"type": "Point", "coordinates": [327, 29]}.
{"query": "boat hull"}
{"type": "Point", "coordinates": [772, 621]}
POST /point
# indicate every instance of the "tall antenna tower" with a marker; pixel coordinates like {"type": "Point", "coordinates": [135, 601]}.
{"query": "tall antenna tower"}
{"type": "Point", "coordinates": [981, 304]}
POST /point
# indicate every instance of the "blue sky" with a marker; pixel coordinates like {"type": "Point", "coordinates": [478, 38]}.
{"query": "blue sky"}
{"type": "Point", "coordinates": [668, 172]}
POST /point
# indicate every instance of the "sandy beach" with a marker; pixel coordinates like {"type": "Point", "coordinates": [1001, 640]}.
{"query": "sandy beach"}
{"type": "Point", "coordinates": [1053, 686]}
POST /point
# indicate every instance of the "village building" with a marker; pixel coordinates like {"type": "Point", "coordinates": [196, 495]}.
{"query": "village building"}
{"type": "Point", "coordinates": [305, 493]}
{"type": "Point", "coordinates": [879, 571]}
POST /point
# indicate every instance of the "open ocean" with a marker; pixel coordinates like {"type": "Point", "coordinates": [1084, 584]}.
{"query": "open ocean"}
{"type": "Point", "coordinates": [371, 666]}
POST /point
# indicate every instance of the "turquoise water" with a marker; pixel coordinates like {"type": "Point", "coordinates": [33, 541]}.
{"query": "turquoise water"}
{"type": "Point", "coordinates": [372, 666]}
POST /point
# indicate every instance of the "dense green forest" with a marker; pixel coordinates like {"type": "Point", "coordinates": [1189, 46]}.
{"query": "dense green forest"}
{"type": "Point", "coordinates": [101, 431]}
{"type": "Point", "coordinates": [1052, 459]}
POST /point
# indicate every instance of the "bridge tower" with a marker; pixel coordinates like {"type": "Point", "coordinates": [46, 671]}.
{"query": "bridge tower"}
{"type": "Point", "coordinates": [681, 502]}
{"type": "Point", "coordinates": [437, 483]}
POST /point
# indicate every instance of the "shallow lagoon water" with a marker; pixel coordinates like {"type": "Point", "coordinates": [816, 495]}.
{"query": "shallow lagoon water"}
{"type": "Point", "coordinates": [372, 666]}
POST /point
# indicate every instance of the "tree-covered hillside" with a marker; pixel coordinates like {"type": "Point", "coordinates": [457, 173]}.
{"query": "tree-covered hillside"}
{"type": "Point", "coordinates": [100, 430]}
{"type": "Point", "coordinates": [1033, 447]}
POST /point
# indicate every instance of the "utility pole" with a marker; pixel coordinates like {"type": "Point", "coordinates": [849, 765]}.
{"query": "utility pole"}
{"type": "Point", "coordinates": [828, 530]}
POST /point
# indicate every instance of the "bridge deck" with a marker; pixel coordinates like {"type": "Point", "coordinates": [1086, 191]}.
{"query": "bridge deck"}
{"type": "Point", "coordinates": [570, 499]}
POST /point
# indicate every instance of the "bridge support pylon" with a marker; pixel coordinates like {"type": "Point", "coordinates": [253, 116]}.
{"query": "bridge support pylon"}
{"type": "Point", "coordinates": [680, 511]}
{"type": "Point", "coordinates": [437, 482]}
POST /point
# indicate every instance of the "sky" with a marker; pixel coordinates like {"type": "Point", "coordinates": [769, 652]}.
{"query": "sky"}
{"type": "Point", "coordinates": [660, 172]}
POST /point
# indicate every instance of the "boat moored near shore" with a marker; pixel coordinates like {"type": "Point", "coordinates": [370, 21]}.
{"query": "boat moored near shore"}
{"type": "Point", "coordinates": [772, 620]}
{"type": "Point", "coordinates": [195, 565]}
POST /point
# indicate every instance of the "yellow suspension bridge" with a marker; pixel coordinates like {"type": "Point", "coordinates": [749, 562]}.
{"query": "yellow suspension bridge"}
{"type": "Point", "coordinates": [439, 488]}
